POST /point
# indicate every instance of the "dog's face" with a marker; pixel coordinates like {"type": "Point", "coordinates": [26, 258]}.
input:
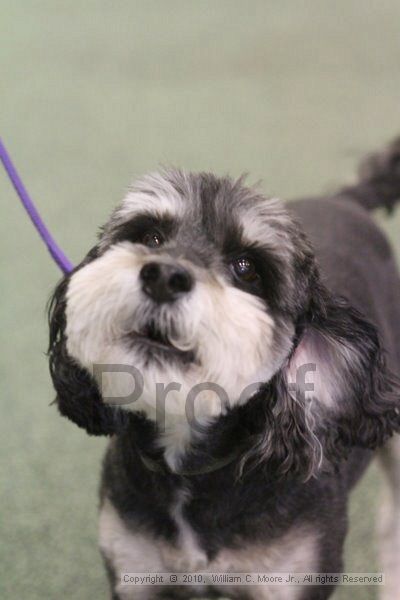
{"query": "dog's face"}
{"type": "Point", "coordinates": [194, 283]}
{"type": "Point", "coordinates": [202, 284]}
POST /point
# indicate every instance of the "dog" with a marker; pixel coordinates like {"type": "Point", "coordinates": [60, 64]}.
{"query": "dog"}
{"type": "Point", "coordinates": [243, 356]}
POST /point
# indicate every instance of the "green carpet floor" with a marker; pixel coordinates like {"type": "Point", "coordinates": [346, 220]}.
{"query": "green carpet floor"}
{"type": "Point", "coordinates": [95, 93]}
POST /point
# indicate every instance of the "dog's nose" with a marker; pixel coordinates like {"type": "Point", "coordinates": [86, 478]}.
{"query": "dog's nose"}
{"type": "Point", "coordinates": [164, 282]}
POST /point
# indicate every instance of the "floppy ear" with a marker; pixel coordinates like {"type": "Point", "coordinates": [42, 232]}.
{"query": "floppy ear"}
{"type": "Point", "coordinates": [333, 393]}
{"type": "Point", "coordinates": [338, 388]}
{"type": "Point", "coordinates": [78, 396]}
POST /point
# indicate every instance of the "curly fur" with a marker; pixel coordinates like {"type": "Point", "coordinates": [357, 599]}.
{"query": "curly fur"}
{"type": "Point", "coordinates": [78, 396]}
{"type": "Point", "coordinates": [299, 442]}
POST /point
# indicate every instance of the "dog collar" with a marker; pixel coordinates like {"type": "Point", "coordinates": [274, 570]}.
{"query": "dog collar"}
{"type": "Point", "coordinates": [55, 251]}
{"type": "Point", "coordinates": [160, 466]}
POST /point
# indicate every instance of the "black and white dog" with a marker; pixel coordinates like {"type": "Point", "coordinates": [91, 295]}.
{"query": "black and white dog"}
{"type": "Point", "coordinates": [264, 343]}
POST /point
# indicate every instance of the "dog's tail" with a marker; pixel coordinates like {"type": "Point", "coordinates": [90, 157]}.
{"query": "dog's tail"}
{"type": "Point", "coordinates": [378, 182]}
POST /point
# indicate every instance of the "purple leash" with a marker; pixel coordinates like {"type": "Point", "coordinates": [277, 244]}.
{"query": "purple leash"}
{"type": "Point", "coordinates": [58, 255]}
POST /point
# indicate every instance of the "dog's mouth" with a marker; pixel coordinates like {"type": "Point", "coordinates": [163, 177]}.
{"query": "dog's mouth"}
{"type": "Point", "coordinates": [156, 344]}
{"type": "Point", "coordinates": [151, 334]}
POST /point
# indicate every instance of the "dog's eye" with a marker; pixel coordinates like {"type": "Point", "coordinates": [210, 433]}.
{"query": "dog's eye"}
{"type": "Point", "coordinates": [152, 239]}
{"type": "Point", "coordinates": [245, 269]}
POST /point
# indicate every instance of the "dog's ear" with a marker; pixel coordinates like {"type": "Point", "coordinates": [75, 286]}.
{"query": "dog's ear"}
{"type": "Point", "coordinates": [333, 393]}
{"type": "Point", "coordinates": [78, 396]}
{"type": "Point", "coordinates": [341, 392]}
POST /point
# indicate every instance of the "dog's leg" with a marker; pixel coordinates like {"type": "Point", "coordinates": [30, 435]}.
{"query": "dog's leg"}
{"type": "Point", "coordinates": [128, 551]}
{"type": "Point", "coordinates": [125, 552]}
{"type": "Point", "coordinates": [389, 522]}
{"type": "Point", "coordinates": [110, 576]}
